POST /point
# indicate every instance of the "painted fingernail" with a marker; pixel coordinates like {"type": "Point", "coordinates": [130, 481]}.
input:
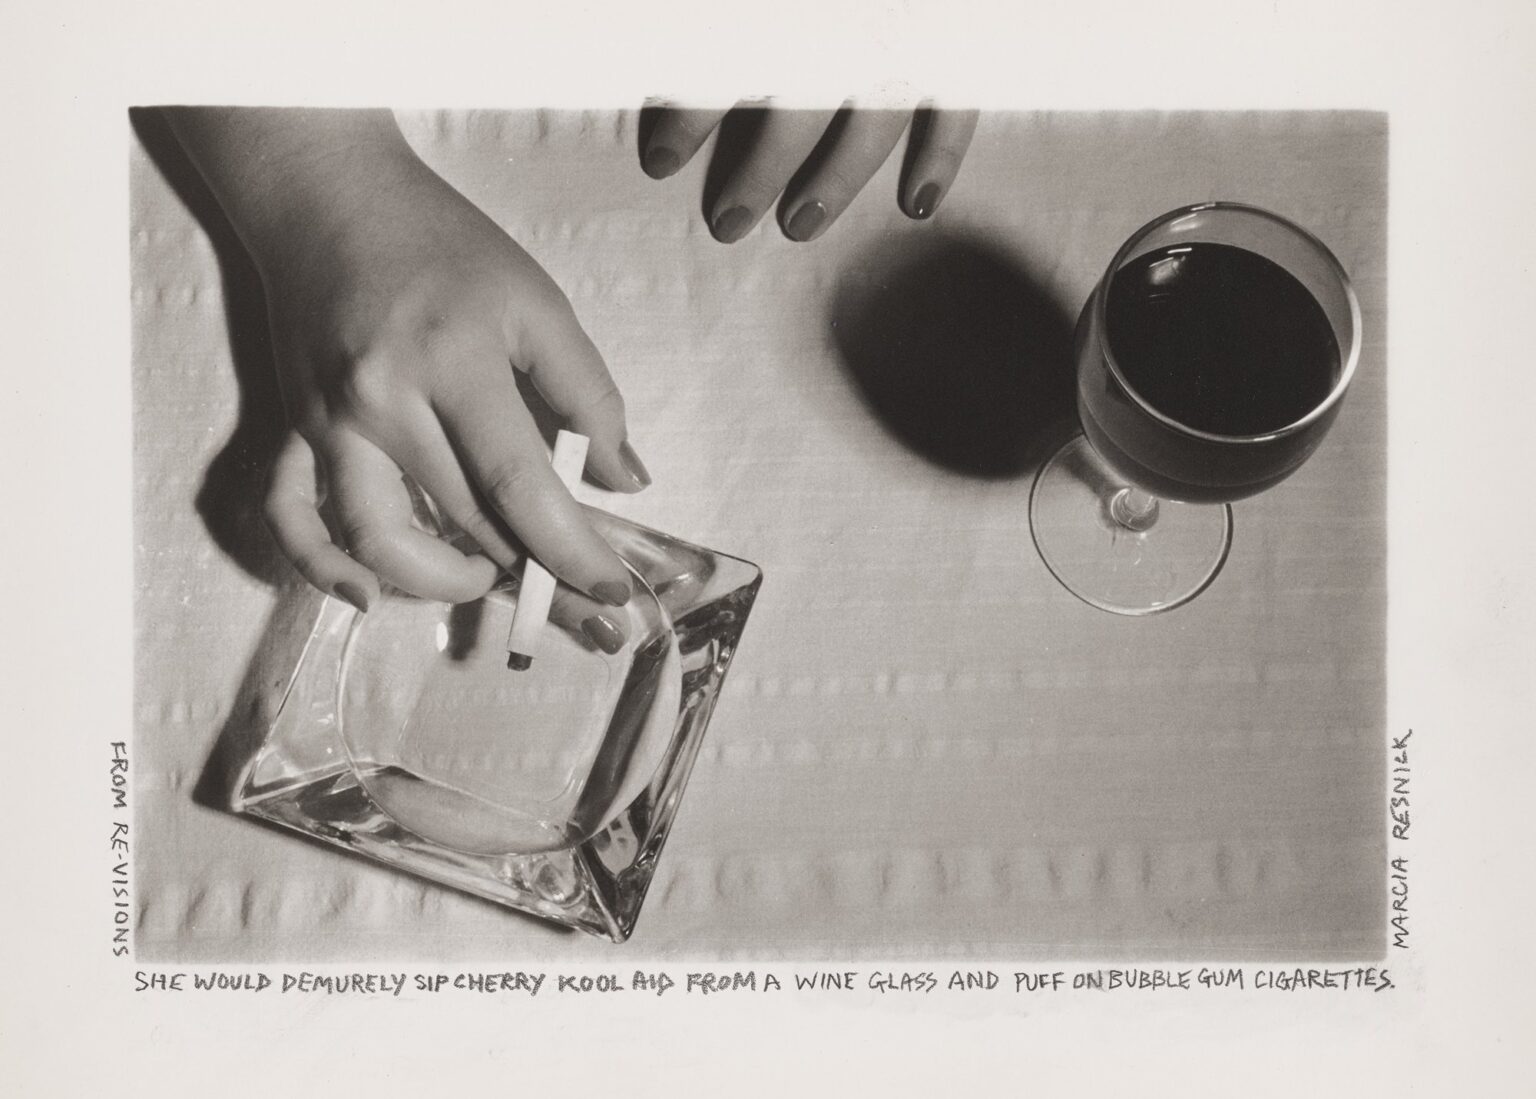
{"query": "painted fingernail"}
{"type": "Point", "coordinates": [603, 633]}
{"type": "Point", "coordinates": [612, 592]}
{"type": "Point", "coordinates": [633, 465]}
{"type": "Point", "coordinates": [660, 162]}
{"type": "Point", "coordinates": [731, 225]}
{"type": "Point", "coordinates": [353, 594]}
{"type": "Point", "coordinates": [927, 200]}
{"type": "Point", "coordinates": [806, 221]}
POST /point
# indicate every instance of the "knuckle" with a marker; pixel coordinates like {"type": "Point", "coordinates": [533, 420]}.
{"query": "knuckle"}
{"type": "Point", "coordinates": [608, 404]}
{"type": "Point", "coordinates": [438, 340]}
{"type": "Point", "coordinates": [510, 483]}
{"type": "Point", "coordinates": [943, 161]}
{"type": "Point", "coordinates": [760, 181]}
{"type": "Point", "coordinates": [365, 386]}
{"type": "Point", "coordinates": [479, 526]}
{"type": "Point", "coordinates": [556, 303]}
{"type": "Point", "coordinates": [562, 560]}
{"type": "Point", "coordinates": [306, 563]}
{"type": "Point", "coordinates": [473, 522]}
{"type": "Point", "coordinates": [365, 541]}
{"type": "Point", "coordinates": [839, 184]}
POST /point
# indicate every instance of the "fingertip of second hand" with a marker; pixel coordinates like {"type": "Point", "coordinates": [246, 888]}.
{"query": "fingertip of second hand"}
{"type": "Point", "coordinates": [732, 224]}
{"type": "Point", "coordinates": [661, 162]}
{"type": "Point", "coordinates": [925, 201]}
{"type": "Point", "coordinates": [806, 222]}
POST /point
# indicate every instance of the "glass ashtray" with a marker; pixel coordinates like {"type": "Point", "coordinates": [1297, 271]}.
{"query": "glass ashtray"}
{"type": "Point", "coordinates": [404, 736]}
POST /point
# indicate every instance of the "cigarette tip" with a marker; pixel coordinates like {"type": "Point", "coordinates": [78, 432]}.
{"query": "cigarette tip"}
{"type": "Point", "coordinates": [518, 662]}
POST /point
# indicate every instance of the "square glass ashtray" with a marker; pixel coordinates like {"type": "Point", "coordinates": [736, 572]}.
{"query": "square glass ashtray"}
{"type": "Point", "coordinates": [404, 736]}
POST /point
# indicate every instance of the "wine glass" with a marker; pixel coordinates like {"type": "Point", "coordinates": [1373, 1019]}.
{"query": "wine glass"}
{"type": "Point", "coordinates": [1212, 358]}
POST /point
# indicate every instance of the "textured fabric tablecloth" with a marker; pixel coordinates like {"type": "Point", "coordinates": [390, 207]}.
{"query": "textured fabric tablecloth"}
{"type": "Point", "coordinates": [926, 747]}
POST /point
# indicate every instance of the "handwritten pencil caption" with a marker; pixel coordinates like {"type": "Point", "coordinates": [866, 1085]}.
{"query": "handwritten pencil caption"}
{"type": "Point", "coordinates": [820, 982]}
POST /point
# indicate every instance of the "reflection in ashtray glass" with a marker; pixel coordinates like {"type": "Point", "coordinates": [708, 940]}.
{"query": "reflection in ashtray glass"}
{"type": "Point", "coordinates": [467, 753]}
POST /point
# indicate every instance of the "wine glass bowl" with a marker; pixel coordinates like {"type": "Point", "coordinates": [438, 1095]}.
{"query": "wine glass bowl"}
{"type": "Point", "coordinates": [1212, 358]}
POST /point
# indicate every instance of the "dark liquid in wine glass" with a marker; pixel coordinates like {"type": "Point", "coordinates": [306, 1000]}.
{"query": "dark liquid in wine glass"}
{"type": "Point", "coordinates": [1221, 340]}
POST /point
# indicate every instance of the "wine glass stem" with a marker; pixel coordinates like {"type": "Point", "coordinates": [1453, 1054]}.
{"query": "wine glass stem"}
{"type": "Point", "coordinates": [1133, 508]}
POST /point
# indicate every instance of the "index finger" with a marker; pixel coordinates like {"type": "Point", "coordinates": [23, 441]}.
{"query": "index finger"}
{"type": "Point", "coordinates": [500, 447]}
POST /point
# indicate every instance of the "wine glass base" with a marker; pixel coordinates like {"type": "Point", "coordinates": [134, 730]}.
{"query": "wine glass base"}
{"type": "Point", "coordinates": [1105, 563]}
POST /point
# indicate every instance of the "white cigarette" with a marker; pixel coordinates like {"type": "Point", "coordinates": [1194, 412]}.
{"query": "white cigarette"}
{"type": "Point", "coordinates": [538, 588]}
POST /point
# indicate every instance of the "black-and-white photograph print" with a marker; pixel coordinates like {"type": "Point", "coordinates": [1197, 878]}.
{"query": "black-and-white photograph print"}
{"type": "Point", "coordinates": [658, 533]}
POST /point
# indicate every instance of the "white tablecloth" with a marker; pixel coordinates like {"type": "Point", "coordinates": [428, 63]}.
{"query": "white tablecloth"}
{"type": "Point", "coordinates": [926, 747]}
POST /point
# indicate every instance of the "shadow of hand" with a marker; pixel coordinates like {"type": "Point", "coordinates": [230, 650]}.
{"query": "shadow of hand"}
{"type": "Point", "coordinates": [229, 500]}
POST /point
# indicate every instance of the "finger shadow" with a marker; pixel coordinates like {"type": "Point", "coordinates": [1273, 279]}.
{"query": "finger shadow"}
{"type": "Point", "coordinates": [960, 352]}
{"type": "Point", "coordinates": [229, 498]}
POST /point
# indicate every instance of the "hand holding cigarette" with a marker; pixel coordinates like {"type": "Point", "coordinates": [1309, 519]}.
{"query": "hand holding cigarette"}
{"type": "Point", "coordinates": [399, 313]}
